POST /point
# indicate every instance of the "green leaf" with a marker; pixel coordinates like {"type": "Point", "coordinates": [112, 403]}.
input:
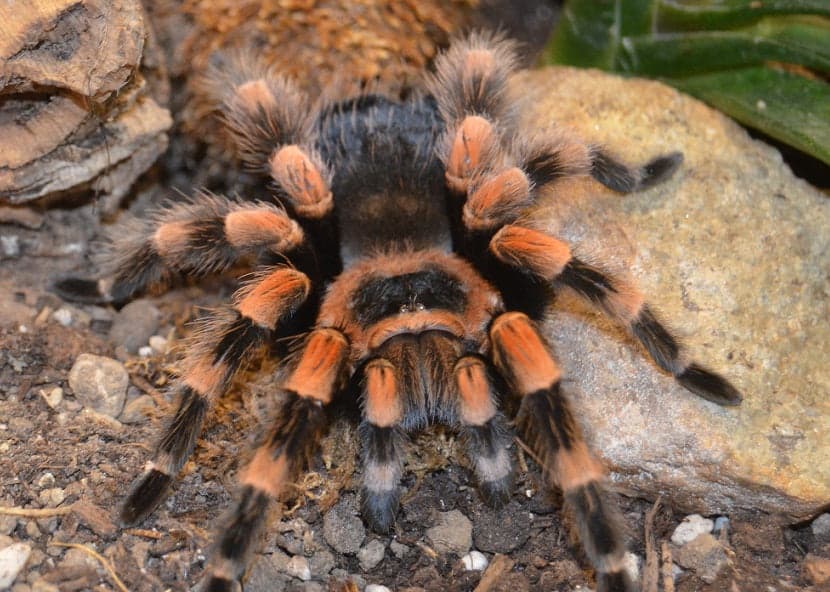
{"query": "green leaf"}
{"type": "Point", "coordinates": [785, 106]}
{"type": "Point", "coordinates": [587, 34]}
{"type": "Point", "coordinates": [798, 41]}
{"type": "Point", "coordinates": [683, 15]}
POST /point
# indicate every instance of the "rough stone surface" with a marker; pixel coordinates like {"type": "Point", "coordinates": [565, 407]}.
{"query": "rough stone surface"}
{"type": "Point", "coordinates": [371, 554]}
{"type": "Point", "coordinates": [266, 575]}
{"type": "Point", "coordinates": [452, 534]}
{"type": "Point", "coordinates": [704, 555]}
{"type": "Point", "coordinates": [732, 252]}
{"type": "Point", "coordinates": [821, 527]}
{"type": "Point", "coordinates": [503, 530]}
{"type": "Point", "coordinates": [134, 325]}
{"type": "Point", "coordinates": [12, 560]}
{"type": "Point", "coordinates": [342, 527]}
{"type": "Point", "coordinates": [817, 569]}
{"type": "Point", "coordinates": [137, 410]}
{"type": "Point", "coordinates": [690, 528]}
{"type": "Point", "coordinates": [99, 383]}
{"type": "Point", "coordinates": [299, 568]}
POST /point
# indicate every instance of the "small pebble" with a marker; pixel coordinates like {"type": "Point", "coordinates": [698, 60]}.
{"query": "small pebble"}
{"type": "Point", "coordinates": [298, 567]}
{"type": "Point", "coordinates": [475, 561]}
{"type": "Point", "coordinates": [53, 397]}
{"type": "Point", "coordinates": [376, 588]}
{"type": "Point", "coordinates": [817, 569]}
{"type": "Point", "coordinates": [399, 550]}
{"type": "Point", "coordinates": [44, 586]}
{"type": "Point", "coordinates": [632, 564]}
{"type": "Point", "coordinates": [63, 316]}
{"type": "Point", "coordinates": [11, 245]}
{"type": "Point", "coordinates": [690, 528]}
{"type": "Point", "coordinates": [342, 528]}
{"type": "Point", "coordinates": [370, 555]}
{"type": "Point", "coordinates": [99, 383]}
{"type": "Point", "coordinates": [704, 555]}
{"type": "Point", "coordinates": [452, 534]}
{"type": "Point", "coordinates": [158, 343]}
{"type": "Point", "coordinates": [137, 410]}
{"type": "Point", "coordinates": [145, 351]}
{"type": "Point", "coordinates": [52, 497]}
{"type": "Point", "coordinates": [721, 522]}
{"type": "Point", "coordinates": [821, 527]}
{"type": "Point", "coordinates": [46, 480]}
{"type": "Point", "coordinates": [134, 324]}
{"type": "Point", "coordinates": [321, 563]}
{"type": "Point", "coordinates": [12, 560]}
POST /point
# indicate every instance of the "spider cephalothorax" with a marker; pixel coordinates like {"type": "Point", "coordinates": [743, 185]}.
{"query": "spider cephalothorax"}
{"type": "Point", "coordinates": [398, 249]}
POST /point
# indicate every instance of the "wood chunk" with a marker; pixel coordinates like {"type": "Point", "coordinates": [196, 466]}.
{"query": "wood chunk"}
{"type": "Point", "coordinates": [76, 111]}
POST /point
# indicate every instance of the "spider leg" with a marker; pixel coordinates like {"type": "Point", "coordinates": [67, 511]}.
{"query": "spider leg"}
{"type": "Point", "coordinates": [550, 259]}
{"type": "Point", "coordinates": [548, 424]}
{"type": "Point", "coordinates": [483, 430]}
{"type": "Point", "coordinates": [271, 126]}
{"type": "Point", "coordinates": [225, 341]}
{"type": "Point", "coordinates": [383, 443]}
{"type": "Point", "coordinates": [299, 422]}
{"type": "Point", "coordinates": [619, 177]}
{"type": "Point", "coordinates": [208, 235]}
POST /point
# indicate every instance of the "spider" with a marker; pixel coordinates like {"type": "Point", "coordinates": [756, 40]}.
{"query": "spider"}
{"type": "Point", "coordinates": [398, 253]}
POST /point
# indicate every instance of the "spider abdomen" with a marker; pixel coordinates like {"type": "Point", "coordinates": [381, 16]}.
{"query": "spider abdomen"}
{"type": "Point", "coordinates": [388, 188]}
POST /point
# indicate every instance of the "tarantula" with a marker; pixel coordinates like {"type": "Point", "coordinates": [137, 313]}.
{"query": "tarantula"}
{"type": "Point", "coordinates": [397, 251]}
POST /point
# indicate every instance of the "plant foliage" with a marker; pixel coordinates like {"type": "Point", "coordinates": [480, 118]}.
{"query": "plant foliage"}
{"type": "Point", "coordinates": [763, 62]}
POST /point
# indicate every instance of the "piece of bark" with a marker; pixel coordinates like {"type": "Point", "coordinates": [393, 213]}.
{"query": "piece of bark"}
{"type": "Point", "coordinates": [75, 105]}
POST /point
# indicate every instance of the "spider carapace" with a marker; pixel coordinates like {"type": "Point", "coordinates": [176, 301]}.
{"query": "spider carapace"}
{"type": "Point", "coordinates": [397, 249]}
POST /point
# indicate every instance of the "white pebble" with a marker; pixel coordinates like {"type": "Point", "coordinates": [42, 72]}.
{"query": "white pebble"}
{"type": "Point", "coordinates": [474, 561]}
{"type": "Point", "coordinates": [145, 351]}
{"type": "Point", "coordinates": [53, 397]}
{"type": "Point", "coordinates": [299, 568]}
{"type": "Point", "coordinates": [11, 245]}
{"type": "Point", "coordinates": [690, 528]}
{"type": "Point", "coordinates": [631, 564]}
{"type": "Point", "coordinates": [376, 588]}
{"type": "Point", "coordinates": [46, 480]}
{"type": "Point", "coordinates": [12, 560]}
{"type": "Point", "coordinates": [63, 316]}
{"type": "Point", "coordinates": [158, 343]}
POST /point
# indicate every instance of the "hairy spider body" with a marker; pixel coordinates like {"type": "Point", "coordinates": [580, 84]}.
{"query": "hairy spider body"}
{"type": "Point", "coordinates": [414, 280]}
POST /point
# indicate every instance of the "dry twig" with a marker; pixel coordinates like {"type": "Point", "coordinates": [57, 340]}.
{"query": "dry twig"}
{"type": "Point", "coordinates": [651, 569]}
{"type": "Point", "coordinates": [668, 576]}
{"type": "Point", "coordinates": [36, 513]}
{"type": "Point", "coordinates": [101, 559]}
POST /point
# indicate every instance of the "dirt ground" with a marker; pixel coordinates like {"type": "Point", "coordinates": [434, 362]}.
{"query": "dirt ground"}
{"type": "Point", "coordinates": [66, 469]}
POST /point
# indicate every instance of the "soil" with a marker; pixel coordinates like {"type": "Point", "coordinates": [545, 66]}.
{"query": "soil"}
{"type": "Point", "coordinates": [76, 466]}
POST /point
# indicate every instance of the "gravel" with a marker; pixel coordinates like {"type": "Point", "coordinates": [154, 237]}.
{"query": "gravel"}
{"type": "Point", "coordinates": [137, 410]}
{"type": "Point", "coordinates": [452, 534]}
{"type": "Point", "coordinates": [342, 527]}
{"type": "Point", "coordinates": [134, 325]}
{"type": "Point", "coordinates": [371, 554]}
{"type": "Point", "coordinates": [475, 561]}
{"type": "Point", "coordinates": [821, 527]}
{"type": "Point", "coordinates": [691, 527]}
{"type": "Point", "coordinates": [99, 383]}
{"type": "Point", "coordinates": [299, 568]}
{"type": "Point", "coordinates": [704, 555]}
{"type": "Point", "coordinates": [12, 560]}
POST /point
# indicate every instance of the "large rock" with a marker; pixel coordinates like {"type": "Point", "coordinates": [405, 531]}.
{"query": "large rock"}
{"type": "Point", "coordinates": [733, 251]}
